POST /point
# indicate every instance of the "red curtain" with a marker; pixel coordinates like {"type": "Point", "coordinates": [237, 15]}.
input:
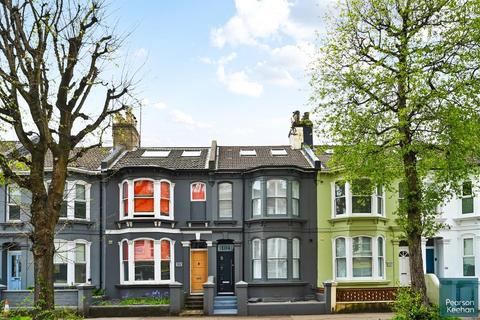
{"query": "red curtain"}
{"type": "Point", "coordinates": [165, 199]}
{"type": "Point", "coordinates": [165, 250]}
{"type": "Point", "coordinates": [143, 196]}
{"type": "Point", "coordinates": [143, 250]}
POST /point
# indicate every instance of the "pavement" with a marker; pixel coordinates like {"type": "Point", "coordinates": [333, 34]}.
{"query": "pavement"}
{"type": "Point", "coordinates": [363, 316]}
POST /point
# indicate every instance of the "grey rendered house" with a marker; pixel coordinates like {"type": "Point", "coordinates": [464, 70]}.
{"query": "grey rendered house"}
{"type": "Point", "coordinates": [136, 220]}
{"type": "Point", "coordinates": [78, 234]}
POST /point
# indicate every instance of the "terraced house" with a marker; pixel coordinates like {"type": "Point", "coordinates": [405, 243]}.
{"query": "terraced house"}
{"type": "Point", "coordinates": [137, 220]}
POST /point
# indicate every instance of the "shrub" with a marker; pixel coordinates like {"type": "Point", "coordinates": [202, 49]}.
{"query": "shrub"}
{"type": "Point", "coordinates": [409, 305]}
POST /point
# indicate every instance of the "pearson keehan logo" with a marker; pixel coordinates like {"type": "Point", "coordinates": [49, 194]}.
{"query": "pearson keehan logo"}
{"type": "Point", "coordinates": [459, 297]}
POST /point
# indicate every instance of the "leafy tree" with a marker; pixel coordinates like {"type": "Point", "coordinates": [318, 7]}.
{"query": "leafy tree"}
{"type": "Point", "coordinates": [396, 86]}
{"type": "Point", "coordinates": [53, 56]}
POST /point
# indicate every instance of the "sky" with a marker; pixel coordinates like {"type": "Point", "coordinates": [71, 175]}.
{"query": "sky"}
{"type": "Point", "coordinates": [228, 70]}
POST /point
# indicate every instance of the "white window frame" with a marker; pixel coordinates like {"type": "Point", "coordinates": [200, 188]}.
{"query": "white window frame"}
{"type": "Point", "coordinates": [276, 197]}
{"type": "Point", "coordinates": [297, 199]}
{"type": "Point", "coordinates": [277, 258]}
{"type": "Point", "coordinates": [296, 258]}
{"type": "Point", "coordinates": [70, 257]}
{"type": "Point", "coordinates": [260, 198]}
{"type": "Point", "coordinates": [230, 200]}
{"type": "Point", "coordinates": [348, 202]}
{"type": "Point", "coordinates": [259, 241]}
{"type": "Point", "coordinates": [9, 186]}
{"type": "Point", "coordinates": [87, 200]}
{"type": "Point", "coordinates": [156, 258]}
{"type": "Point", "coordinates": [349, 258]}
{"type": "Point", "coordinates": [191, 192]}
{"type": "Point", "coordinates": [472, 196]}
{"type": "Point", "coordinates": [472, 237]}
{"type": "Point", "coordinates": [342, 257]}
{"type": "Point", "coordinates": [156, 200]}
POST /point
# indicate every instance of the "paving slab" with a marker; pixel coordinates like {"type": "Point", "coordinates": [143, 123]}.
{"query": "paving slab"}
{"type": "Point", "coordinates": [362, 316]}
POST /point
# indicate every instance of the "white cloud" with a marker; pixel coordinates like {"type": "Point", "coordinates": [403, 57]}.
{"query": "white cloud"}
{"type": "Point", "coordinates": [275, 75]}
{"type": "Point", "coordinates": [237, 82]}
{"type": "Point", "coordinates": [292, 56]}
{"type": "Point", "coordinates": [181, 117]}
{"type": "Point", "coordinates": [140, 53]}
{"type": "Point", "coordinates": [160, 105]}
{"type": "Point", "coordinates": [254, 19]}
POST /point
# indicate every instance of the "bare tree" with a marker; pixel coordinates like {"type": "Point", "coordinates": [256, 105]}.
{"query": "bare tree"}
{"type": "Point", "coordinates": [53, 59]}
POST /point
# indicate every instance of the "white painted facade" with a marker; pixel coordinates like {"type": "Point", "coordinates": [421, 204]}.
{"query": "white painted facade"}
{"type": "Point", "coordinates": [449, 244]}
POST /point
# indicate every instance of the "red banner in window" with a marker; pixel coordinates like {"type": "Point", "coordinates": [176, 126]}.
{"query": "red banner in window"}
{"type": "Point", "coordinates": [143, 188]}
{"type": "Point", "coordinates": [165, 250]}
{"type": "Point", "coordinates": [143, 250]}
{"type": "Point", "coordinates": [198, 191]}
{"type": "Point", "coordinates": [143, 205]}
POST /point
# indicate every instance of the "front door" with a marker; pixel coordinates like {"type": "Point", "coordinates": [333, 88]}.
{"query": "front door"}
{"type": "Point", "coordinates": [14, 269]}
{"type": "Point", "coordinates": [430, 259]}
{"type": "Point", "coordinates": [225, 268]}
{"type": "Point", "coordinates": [404, 266]}
{"type": "Point", "coordinates": [198, 270]}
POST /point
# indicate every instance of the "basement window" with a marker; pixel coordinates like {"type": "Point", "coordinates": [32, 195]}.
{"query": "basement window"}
{"type": "Point", "coordinates": [191, 153]}
{"type": "Point", "coordinates": [156, 153]}
{"type": "Point", "coordinates": [248, 153]}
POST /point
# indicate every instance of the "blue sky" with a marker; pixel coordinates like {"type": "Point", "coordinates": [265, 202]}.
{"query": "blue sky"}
{"type": "Point", "coordinates": [226, 70]}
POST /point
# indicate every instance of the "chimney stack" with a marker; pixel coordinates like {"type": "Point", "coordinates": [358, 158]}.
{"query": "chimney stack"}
{"type": "Point", "coordinates": [124, 130]}
{"type": "Point", "coordinates": [301, 132]}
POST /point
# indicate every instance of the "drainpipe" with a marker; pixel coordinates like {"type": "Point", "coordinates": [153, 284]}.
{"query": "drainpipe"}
{"type": "Point", "coordinates": [100, 233]}
{"type": "Point", "coordinates": [243, 227]}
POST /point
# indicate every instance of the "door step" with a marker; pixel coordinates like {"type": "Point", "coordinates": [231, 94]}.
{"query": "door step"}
{"type": "Point", "coordinates": [225, 305]}
{"type": "Point", "coordinates": [194, 302]}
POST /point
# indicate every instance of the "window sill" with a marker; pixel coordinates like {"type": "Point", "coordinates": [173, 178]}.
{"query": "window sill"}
{"type": "Point", "coordinates": [466, 217]}
{"type": "Point", "coordinates": [129, 223]}
{"type": "Point", "coordinates": [274, 283]}
{"type": "Point", "coordinates": [350, 218]}
{"type": "Point", "coordinates": [76, 221]}
{"type": "Point", "coordinates": [197, 223]}
{"type": "Point", "coordinates": [361, 281]}
{"type": "Point", "coordinates": [263, 220]}
{"type": "Point", "coordinates": [144, 285]}
{"type": "Point", "coordinates": [231, 222]}
{"type": "Point", "coordinates": [12, 223]}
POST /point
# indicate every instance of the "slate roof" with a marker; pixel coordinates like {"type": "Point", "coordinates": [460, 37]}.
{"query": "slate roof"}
{"type": "Point", "coordinates": [173, 161]}
{"type": "Point", "coordinates": [229, 158]}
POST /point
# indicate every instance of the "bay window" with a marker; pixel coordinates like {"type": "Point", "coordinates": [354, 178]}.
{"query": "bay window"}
{"type": "Point", "coordinates": [295, 258]}
{"type": "Point", "coordinates": [358, 197]}
{"type": "Point", "coordinates": [361, 196]}
{"type": "Point", "coordinates": [165, 198]}
{"type": "Point", "coordinates": [276, 258]}
{"type": "Point", "coordinates": [145, 199]}
{"type": "Point", "coordinates": [468, 258]}
{"type": "Point", "coordinates": [340, 258]}
{"type": "Point", "coordinates": [14, 203]}
{"type": "Point", "coordinates": [225, 205]}
{"type": "Point", "coordinates": [257, 258]}
{"type": "Point", "coordinates": [64, 205]}
{"type": "Point", "coordinates": [146, 261]}
{"type": "Point", "coordinates": [295, 198]}
{"type": "Point", "coordinates": [76, 200]}
{"type": "Point", "coordinates": [467, 197]}
{"type": "Point", "coordinates": [257, 198]}
{"type": "Point", "coordinates": [276, 197]}
{"type": "Point", "coordinates": [71, 262]}
{"type": "Point", "coordinates": [354, 257]}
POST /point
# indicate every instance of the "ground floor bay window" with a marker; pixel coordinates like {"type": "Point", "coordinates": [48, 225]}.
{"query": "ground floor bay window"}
{"type": "Point", "coordinates": [359, 257]}
{"type": "Point", "coordinates": [71, 262]}
{"type": "Point", "coordinates": [146, 261]}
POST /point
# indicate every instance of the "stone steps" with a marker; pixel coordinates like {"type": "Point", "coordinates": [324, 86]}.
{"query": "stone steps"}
{"type": "Point", "coordinates": [225, 305]}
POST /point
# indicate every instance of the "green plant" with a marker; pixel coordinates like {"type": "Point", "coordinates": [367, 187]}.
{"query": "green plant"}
{"type": "Point", "coordinates": [409, 305]}
{"type": "Point", "coordinates": [98, 292]}
{"type": "Point", "coordinates": [144, 300]}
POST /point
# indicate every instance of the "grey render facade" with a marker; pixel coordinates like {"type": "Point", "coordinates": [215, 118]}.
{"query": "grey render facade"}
{"type": "Point", "coordinates": [190, 215]}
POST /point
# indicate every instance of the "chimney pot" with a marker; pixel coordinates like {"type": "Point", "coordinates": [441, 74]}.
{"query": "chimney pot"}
{"type": "Point", "coordinates": [124, 130]}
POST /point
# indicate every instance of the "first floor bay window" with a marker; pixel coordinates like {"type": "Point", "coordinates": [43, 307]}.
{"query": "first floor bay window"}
{"type": "Point", "coordinates": [146, 261]}
{"type": "Point", "coordinates": [144, 198]}
{"type": "Point", "coordinates": [359, 197]}
{"type": "Point", "coordinates": [277, 258]}
{"type": "Point", "coordinates": [354, 257]}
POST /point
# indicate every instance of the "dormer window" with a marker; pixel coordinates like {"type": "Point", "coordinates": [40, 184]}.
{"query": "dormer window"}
{"type": "Point", "coordinates": [191, 153]}
{"type": "Point", "coordinates": [248, 153]}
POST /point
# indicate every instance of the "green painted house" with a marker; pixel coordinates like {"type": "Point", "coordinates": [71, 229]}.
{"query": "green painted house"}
{"type": "Point", "coordinates": [359, 243]}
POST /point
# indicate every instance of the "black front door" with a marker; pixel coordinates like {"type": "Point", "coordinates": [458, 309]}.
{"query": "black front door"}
{"type": "Point", "coordinates": [225, 268]}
